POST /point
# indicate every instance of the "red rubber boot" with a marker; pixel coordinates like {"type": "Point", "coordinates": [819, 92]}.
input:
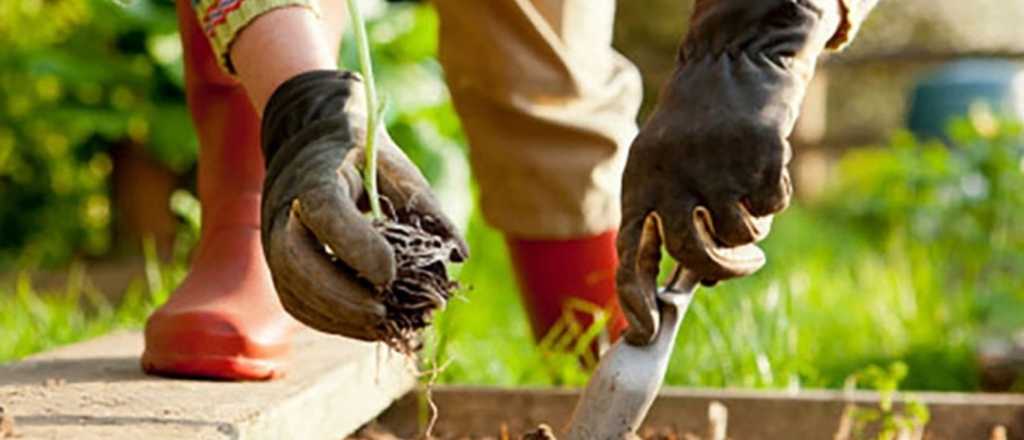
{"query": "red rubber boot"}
{"type": "Point", "coordinates": [224, 321]}
{"type": "Point", "coordinates": [553, 272]}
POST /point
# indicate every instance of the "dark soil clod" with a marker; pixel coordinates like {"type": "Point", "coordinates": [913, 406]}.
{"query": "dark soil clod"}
{"type": "Point", "coordinates": [421, 286]}
{"type": "Point", "coordinates": [543, 432]}
{"type": "Point", "coordinates": [6, 424]}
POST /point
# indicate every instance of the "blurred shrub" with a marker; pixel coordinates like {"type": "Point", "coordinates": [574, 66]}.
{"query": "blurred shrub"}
{"type": "Point", "coordinates": [77, 78]}
{"type": "Point", "coordinates": [965, 193]}
{"type": "Point", "coordinates": [961, 203]}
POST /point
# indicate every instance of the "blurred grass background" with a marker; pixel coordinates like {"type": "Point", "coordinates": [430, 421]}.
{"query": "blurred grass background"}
{"type": "Point", "coordinates": [911, 251]}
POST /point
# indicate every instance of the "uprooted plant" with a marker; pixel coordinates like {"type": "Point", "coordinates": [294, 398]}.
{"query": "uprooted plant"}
{"type": "Point", "coordinates": [422, 285]}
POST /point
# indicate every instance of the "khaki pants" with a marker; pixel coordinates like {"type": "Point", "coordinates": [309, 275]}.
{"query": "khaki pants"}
{"type": "Point", "coordinates": [549, 109]}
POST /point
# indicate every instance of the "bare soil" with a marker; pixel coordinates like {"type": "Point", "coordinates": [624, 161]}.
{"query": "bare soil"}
{"type": "Point", "coordinates": [543, 432]}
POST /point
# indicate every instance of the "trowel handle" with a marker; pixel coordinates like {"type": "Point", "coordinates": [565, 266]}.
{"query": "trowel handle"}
{"type": "Point", "coordinates": [680, 285]}
{"type": "Point", "coordinates": [628, 378]}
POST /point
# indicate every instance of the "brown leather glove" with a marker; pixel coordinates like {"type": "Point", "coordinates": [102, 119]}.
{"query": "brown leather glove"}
{"type": "Point", "coordinates": [708, 169]}
{"type": "Point", "coordinates": [313, 132]}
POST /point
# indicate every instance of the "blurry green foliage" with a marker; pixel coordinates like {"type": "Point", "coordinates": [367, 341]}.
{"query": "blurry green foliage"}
{"type": "Point", "coordinates": [962, 201]}
{"type": "Point", "coordinates": [78, 78]}
{"type": "Point", "coordinates": [964, 193]}
{"type": "Point", "coordinates": [32, 23]}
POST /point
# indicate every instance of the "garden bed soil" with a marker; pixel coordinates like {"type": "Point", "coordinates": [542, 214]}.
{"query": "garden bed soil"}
{"type": "Point", "coordinates": [376, 432]}
{"type": "Point", "coordinates": [491, 413]}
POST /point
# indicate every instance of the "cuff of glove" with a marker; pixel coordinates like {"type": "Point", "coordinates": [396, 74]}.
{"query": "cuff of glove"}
{"type": "Point", "coordinates": [854, 12]}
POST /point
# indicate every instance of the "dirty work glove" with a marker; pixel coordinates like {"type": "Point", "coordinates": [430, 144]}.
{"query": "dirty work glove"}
{"type": "Point", "coordinates": [313, 134]}
{"type": "Point", "coordinates": [708, 169]}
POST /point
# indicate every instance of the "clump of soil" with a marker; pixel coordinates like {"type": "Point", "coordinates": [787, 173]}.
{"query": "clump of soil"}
{"type": "Point", "coordinates": [543, 432]}
{"type": "Point", "coordinates": [6, 424]}
{"type": "Point", "coordinates": [421, 286]}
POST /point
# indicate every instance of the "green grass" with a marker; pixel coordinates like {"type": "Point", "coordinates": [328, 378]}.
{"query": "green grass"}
{"type": "Point", "coordinates": [32, 321]}
{"type": "Point", "coordinates": [828, 304]}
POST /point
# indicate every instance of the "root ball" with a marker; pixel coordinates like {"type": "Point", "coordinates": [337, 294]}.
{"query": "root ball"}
{"type": "Point", "coordinates": [421, 286]}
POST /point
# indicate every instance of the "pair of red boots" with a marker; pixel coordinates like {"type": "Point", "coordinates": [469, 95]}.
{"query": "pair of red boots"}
{"type": "Point", "coordinates": [225, 322]}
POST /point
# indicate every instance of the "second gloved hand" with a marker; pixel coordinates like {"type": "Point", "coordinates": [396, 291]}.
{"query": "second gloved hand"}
{"type": "Point", "coordinates": [313, 133]}
{"type": "Point", "coordinates": [708, 170]}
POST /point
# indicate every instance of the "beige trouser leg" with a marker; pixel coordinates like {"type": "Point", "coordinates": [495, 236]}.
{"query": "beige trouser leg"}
{"type": "Point", "coordinates": [549, 108]}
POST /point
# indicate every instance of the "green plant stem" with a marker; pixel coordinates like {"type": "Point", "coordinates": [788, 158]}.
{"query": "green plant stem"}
{"type": "Point", "coordinates": [372, 109]}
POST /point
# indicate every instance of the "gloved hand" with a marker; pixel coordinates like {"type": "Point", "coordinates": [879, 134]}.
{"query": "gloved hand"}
{"type": "Point", "coordinates": [708, 169]}
{"type": "Point", "coordinates": [313, 133]}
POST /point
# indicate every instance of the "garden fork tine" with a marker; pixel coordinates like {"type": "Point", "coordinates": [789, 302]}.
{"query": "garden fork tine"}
{"type": "Point", "coordinates": [628, 378]}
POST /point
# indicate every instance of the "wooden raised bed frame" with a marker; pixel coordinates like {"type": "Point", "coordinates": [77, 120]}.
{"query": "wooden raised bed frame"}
{"type": "Point", "coordinates": [468, 412]}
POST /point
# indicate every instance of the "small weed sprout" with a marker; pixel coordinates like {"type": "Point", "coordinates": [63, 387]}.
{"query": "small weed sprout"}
{"type": "Point", "coordinates": [886, 421]}
{"type": "Point", "coordinates": [373, 108]}
{"type": "Point", "coordinates": [422, 285]}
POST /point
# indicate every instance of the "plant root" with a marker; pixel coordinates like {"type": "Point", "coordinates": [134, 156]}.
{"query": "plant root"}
{"type": "Point", "coordinates": [421, 286]}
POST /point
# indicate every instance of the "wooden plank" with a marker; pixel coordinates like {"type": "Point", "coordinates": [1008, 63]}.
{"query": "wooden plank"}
{"type": "Point", "coordinates": [96, 390]}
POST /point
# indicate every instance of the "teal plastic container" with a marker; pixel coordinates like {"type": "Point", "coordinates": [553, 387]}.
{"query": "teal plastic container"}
{"type": "Point", "coordinates": [950, 91]}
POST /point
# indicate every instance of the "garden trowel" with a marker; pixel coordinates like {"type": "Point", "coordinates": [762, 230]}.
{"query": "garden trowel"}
{"type": "Point", "coordinates": [628, 378]}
